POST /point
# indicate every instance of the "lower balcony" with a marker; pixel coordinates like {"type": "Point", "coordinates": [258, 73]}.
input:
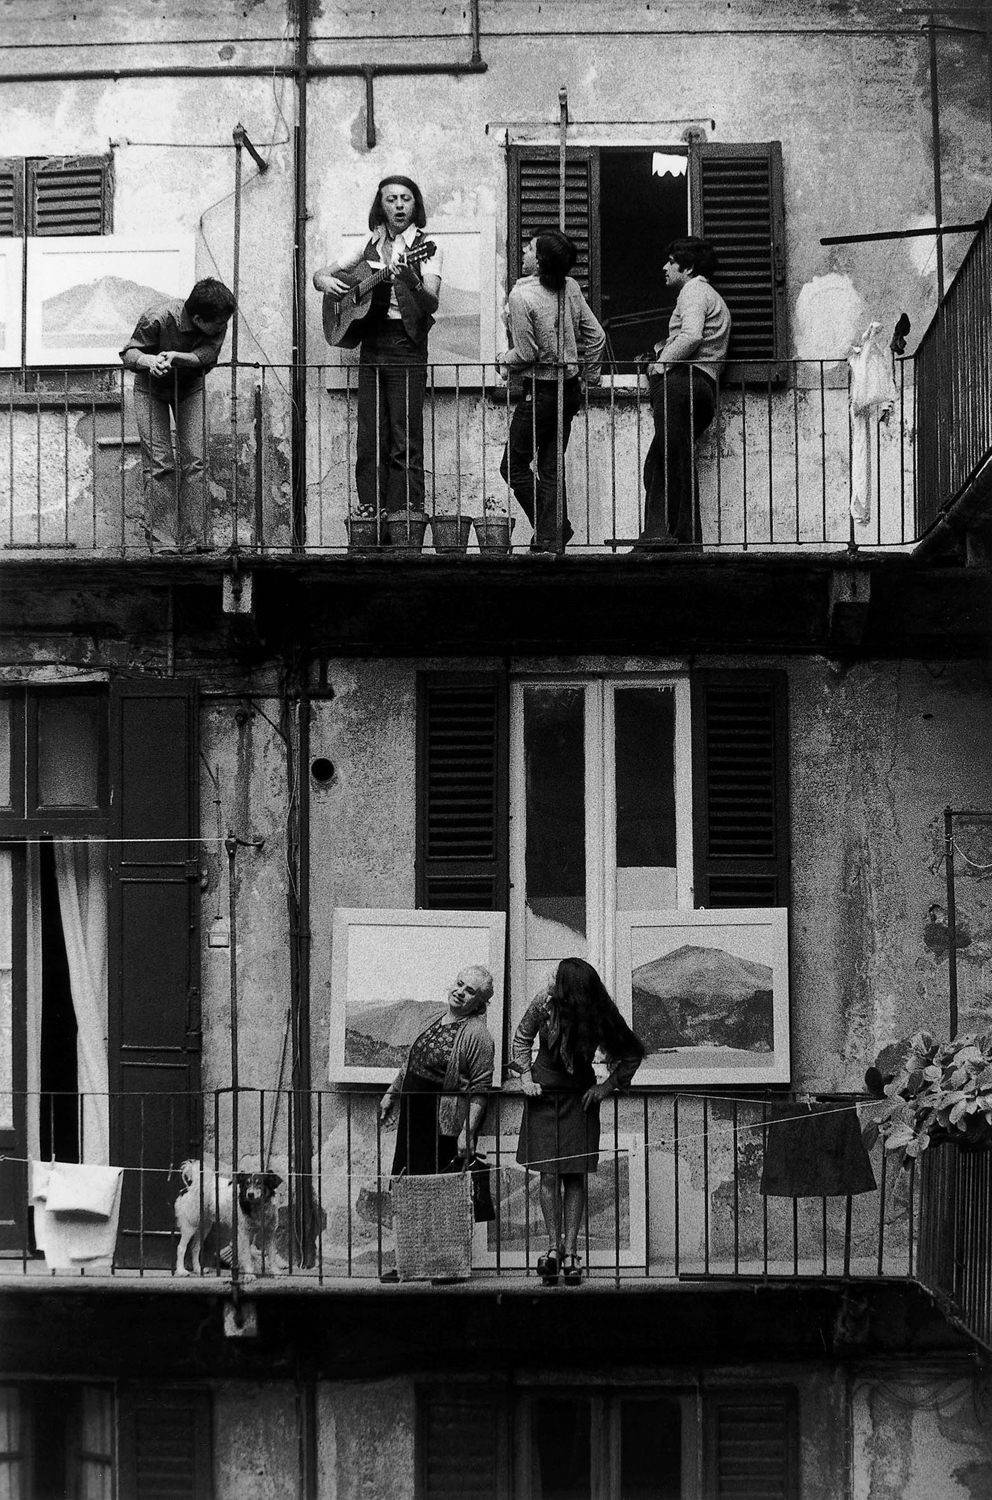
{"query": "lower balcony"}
{"type": "Point", "coordinates": [677, 1198]}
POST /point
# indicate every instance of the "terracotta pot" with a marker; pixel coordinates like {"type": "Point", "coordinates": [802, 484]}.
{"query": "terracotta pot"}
{"type": "Point", "coordinates": [493, 533]}
{"type": "Point", "coordinates": [451, 533]}
{"type": "Point", "coordinates": [363, 533]}
{"type": "Point", "coordinates": [406, 531]}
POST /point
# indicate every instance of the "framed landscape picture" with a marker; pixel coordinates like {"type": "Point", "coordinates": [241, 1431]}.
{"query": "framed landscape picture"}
{"type": "Point", "coordinates": [86, 292]}
{"type": "Point", "coordinates": [390, 976]}
{"type": "Point", "coordinates": [707, 992]}
{"type": "Point", "coordinates": [616, 1217]}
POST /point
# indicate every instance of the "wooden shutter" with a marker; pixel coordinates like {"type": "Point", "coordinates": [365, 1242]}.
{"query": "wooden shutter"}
{"type": "Point", "coordinates": [462, 832]}
{"type": "Point", "coordinates": [740, 788]}
{"type": "Point", "coordinates": [69, 196]}
{"type": "Point", "coordinates": [736, 192]}
{"type": "Point", "coordinates": [164, 1443]}
{"type": "Point", "coordinates": [11, 198]}
{"type": "Point", "coordinates": [533, 205]}
{"type": "Point", "coordinates": [750, 1445]}
{"type": "Point", "coordinates": [154, 955]}
{"type": "Point", "coordinates": [461, 1446]}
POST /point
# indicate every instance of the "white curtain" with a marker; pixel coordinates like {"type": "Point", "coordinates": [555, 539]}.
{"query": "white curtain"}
{"type": "Point", "coordinates": [81, 872]}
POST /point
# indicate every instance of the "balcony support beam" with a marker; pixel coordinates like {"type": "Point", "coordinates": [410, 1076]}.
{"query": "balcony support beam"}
{"type": "Point", "coordinates": [850, 600]}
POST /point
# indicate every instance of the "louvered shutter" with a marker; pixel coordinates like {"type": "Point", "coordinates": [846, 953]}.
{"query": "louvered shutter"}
{"type": "Point", "coordinates": [69, 196]}
{"type": "Point", "coordinates": [460, 1446]}
{"type": "Point", "coordinates": [154, 955]}
{"type": "Point", "coordinates": [738, 208]}
{"type": "Point", "coordinates": [533, 206]}
{"type": "Point", "coordinates": [164, 1443]}
{"type": "Point", "coordinates": [462, 833]}
{"type": "Point", "coordinates": [750, 1445]}
{"type": "Point", "coordinates": [11, 198]}
{"type": "Point", "coordinates": [740, 789]}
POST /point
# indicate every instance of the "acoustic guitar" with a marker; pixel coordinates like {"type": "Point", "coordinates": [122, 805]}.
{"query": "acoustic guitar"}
{"type": "Point", "coordinates": [340, 312]}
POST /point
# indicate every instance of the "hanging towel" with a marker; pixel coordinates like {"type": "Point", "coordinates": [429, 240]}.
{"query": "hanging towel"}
{"type": "Point", "coordinates": [78, 1189]}
{"type": "Point", "coordinates": [814, 1151]}
{"type": "Point", "coordinates": [76, 1213]}
{"type": "Point", "coordinates": [873, 395]}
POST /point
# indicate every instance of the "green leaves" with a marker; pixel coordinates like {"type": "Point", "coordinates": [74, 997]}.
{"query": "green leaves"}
{"type": "Point", "coordinates": [942, 1092]}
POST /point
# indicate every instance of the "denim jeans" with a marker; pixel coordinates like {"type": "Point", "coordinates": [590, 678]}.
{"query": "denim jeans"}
{"type": "Point", "coordinates": [175, 494]}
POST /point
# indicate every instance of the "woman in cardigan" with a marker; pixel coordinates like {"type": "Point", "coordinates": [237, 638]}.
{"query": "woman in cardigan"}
{"type": "Point", "coordinates": [559, 1135]}
{"type": "Point", "coordinates": [440, 1090]}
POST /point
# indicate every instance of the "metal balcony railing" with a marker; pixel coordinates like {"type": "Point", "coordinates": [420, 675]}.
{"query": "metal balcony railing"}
{"type": "Point", "coordinates": [676, 1196]}
{"type": "Point", "coordinates": [773, 469]}
{"type": "Point", "coordinates": [954, 384]}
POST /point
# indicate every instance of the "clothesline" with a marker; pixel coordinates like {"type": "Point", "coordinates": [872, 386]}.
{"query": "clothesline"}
{"type": "Point", "coordinates": [661, 1143]}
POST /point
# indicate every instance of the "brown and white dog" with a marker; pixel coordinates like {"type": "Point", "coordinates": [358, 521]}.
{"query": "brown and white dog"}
{"type": "Point", "coordinates": [232, 1202]}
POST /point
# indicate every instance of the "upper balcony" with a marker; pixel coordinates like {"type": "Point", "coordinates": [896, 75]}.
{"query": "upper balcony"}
{"type": "Point", "coordinates": [774, 470]}
{"type": "Point", "coordinates": [780, 551]}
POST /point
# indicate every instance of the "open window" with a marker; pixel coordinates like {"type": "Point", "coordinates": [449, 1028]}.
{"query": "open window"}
{"type": "Point", "coordinates": [591, 794]}
{"type": "Point", "coordinates": [99, 1004]}
{"type": "Point", "coordinates": [624, 204]}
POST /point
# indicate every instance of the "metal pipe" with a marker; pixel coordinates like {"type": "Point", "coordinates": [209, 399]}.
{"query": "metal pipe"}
{"type": "Point", "coordinates": [938, 207]}
{"type": "Point", "coordinates": [245, 70]}
{"type": "Point", "coordinates": [952, 939]}
{"type": "Point", "coordinates": [476, 42]}
{"type": "Point", "coordinates": [239, 139]}
{"type": "Point", "coordinates": [560, 434]}
{"type": "Point", "coordinates": [299, 378]}
{"type": "Point", "coordinates": [231, 845]}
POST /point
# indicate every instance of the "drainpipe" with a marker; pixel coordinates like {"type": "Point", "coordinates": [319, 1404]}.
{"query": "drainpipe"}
{"type": "Point", "coordinates": [299, 376]}
{"type": "Point", "coordinates": [938, 204]}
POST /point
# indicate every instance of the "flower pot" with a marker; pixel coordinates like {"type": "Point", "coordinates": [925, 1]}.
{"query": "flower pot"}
{"type": "Point", "coordinates": [363, 533]}
{"type": "Point", "coordinates": [451, 533]}
{"type": "Point", "coordinates": [406, 530]}
{"type": "Point", "coordinates": [493, 533]}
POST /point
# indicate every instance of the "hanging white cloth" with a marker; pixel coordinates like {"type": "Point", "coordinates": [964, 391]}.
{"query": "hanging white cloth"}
{"type": "Point", "coordinates": [76, 1213]}
{"type": "Point", "coordinates": [81, 873]}
{"type": "Point", "coordinates": [873, 395]}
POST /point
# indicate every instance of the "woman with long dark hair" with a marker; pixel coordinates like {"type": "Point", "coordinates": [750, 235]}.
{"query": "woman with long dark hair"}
{"type": "Point", "coordinates": [549, 321]}
{"type": "Point", "coordinates": [559, 1136]}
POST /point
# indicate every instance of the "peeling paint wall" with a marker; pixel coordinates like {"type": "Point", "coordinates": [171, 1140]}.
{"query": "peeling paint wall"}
{"type": "Point", "coordinates": [919, 1437]}
{"type": "Point", "coordinates": [877, 751]}
{"type": "Point", "coordinates": [899, 1436]}
{"type": "Point", "coordinates": [847, 93]}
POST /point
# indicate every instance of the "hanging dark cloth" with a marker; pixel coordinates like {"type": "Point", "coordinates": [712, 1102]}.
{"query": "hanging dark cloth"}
{"type": "Point", "coordinates": [815, 1151]}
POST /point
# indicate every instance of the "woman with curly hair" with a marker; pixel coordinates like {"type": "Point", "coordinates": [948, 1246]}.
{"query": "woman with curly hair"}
{"type": "Point", "coordinates": [559, 1135]}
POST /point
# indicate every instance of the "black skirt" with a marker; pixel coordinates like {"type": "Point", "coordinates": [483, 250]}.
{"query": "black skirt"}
{"type": "Point", "coordinates": [421, 1151]}
{"type": "Point", "coordinates": [556, 1133]}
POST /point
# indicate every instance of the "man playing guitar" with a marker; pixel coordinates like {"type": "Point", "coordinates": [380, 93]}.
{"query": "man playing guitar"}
{"type": "Point", "coordinates": [390, 322]}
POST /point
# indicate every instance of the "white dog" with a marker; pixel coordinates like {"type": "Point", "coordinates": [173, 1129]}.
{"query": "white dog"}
{"type": "Point", "coordinates": [232, 1201]}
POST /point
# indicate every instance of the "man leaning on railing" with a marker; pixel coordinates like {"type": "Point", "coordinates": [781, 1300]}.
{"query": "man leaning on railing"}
{"type": "Point", "coordinates": [171, 349]}
{"type": "Point", "coordinates": [682, 382]}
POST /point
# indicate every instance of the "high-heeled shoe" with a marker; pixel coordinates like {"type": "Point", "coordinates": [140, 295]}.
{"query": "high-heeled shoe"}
{"type": "Point", "coordinates": [571, 1270]}
{"type": "Point", "coordinates": [549, 1266]}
